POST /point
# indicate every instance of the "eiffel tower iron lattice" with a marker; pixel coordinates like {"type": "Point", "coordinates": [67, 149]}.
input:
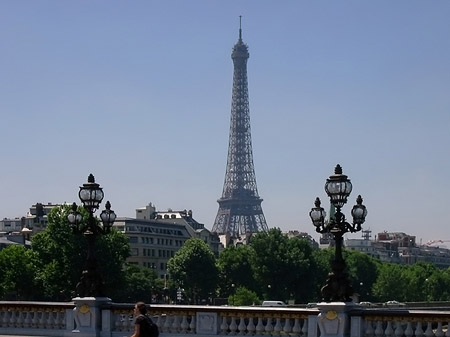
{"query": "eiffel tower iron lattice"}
{"type": "Point", "coordinates": [240, 209]}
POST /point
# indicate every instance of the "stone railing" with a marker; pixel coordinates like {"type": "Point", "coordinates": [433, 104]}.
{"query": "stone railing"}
{"type": "Point", "coordinates": [35, 318]}
{"type": "Point", "coordinates": [92, 317]}
{"type": "Point", "coordinates": [400, 322]}
{"type": "Point", "coordinates": [214, 320]}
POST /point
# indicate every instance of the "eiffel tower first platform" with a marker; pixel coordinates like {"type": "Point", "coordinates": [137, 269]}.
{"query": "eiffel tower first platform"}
{"type": "Point", "coordinates": [240, 209]}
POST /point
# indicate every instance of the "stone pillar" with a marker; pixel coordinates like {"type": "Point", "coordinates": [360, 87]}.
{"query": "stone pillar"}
{"type": "Point", "coordinates": [88, 316]}
{"type": "Point", "coordinates": [333, 319]}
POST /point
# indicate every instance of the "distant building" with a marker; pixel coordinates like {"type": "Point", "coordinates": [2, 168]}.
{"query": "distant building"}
{"type": "Point", "coordinates": [303, 235]}
{"type": "Point", "coordinates": [397, 247]}
{"type": "Point", "coordinates": [16, 238]}
{"type": "Point", "coordinates": [156, 236]}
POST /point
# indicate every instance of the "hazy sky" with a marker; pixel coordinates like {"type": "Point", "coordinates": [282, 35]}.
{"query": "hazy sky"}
{"type": "Point", "coordinates": [139, 94]}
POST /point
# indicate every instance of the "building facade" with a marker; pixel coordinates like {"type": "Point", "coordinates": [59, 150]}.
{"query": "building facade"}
{"type": "Point", "coordinates": [156, 236]}
{"type": "Point", "coordinates": [397, 247]}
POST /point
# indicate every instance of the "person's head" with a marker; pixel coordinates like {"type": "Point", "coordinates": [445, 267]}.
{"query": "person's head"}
{"type": "Point", "coordinates": [140, 308]}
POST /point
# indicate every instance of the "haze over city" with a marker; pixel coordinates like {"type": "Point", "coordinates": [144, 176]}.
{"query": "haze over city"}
{"type": "Point", "coordinates": [139, 94]}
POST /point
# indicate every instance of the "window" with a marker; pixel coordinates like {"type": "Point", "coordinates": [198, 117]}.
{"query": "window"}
{"type": "Point", "coordinates": [133, 239]}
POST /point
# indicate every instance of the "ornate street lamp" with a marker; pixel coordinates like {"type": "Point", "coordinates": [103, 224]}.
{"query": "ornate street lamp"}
{"type": "Point", "coordinates": [91, 195]}
{"type": "Point", "coordinates": [338, 188]}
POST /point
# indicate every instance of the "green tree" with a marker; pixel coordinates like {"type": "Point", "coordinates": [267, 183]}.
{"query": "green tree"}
{"type": "Point", "coordinates": [391, 283]}
{"type": "Point", "coordinates": [17, 279]}
{"type": "Point", "coordinates": [300, 265]}
{"type": "Point", "coordinates": [235, 267]}
{"type": "Point", "coordinates": [270, 263]}
{"type": "Point", "coordinates": [112, 251]}
{"type": "Point", "coordinates": [60, 256]}
{"type": "Point", "coordinates": [322, 259]}
{"type": "Point", "coordinates": [194, 268]}
{"type": "Point", "coordinates": [416, 276]}
{"type": "Point", "coordinates": [244, 296]}
{"type": "Point", "coordinates": [437, 286]}
{"type": "Point", "coordinates": [139, 285]}
{"type": "Point", "coordinates": [363, 272]}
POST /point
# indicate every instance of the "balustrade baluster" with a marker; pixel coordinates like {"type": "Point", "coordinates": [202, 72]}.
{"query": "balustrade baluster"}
{"type": "Point", "coordinates": [269, 325]}
{"type": "Point", "coordinates": [12, 318]}
{"type": "Point", "coordinates": [117, 321]}
{"type": "Point", "coordinates": [224, 326]}
{"type": "Point", "coordinates": [176, 324]}
{"type": "Point", "coordinates": [439, 331]}
{"type": "Point", "coordinates": [305, 327]}
{"type": "Point", "coordinates": [42, 319]}
{"type": "Point", "coordinates": [4, 318]}
{"type": "Point", "coordinates": [409, 331]}
{"type": "Point", "coordinates": [27, 320]}
{"type": "Point", "coordinates": [166, 325]}
{"type": "Point", "coordinates": [233, 326]}
{"type": "Point", "coordinates": [260, 326]}
{"type": "Point", "coordinates": [277, 327]}
{"type": "Point", "coordinates": [62, 319]}
{"type": "Point", "coordinates": [418, 332]}
{"type": "Point", "coordinates": [429, 330]}
{"type": "Point", "coordinates": [287, 327]}
{"type": "Point", "coordinates": [51, 320]}
{"type": "Point", "coordinates": [160, 322]}
{"type": "Point", "coordinates": [34, 319]}
{"type": "Point", "coordinates": [192, 325]}
{"type": "Point", "coordinates": [398, 329]}
{"type": "Point", "coordinates": [251, 326]}
{"type": "Point", "coordinates": [369, 332]}
{"type": "Point", "coordinates": [297, 328]}
{"type": "Point", "coordinates": [379, 329]}
{"type": "Point", "coordinates": [184, 324]}
{"type": "Point", "coordinates": [389, 331]}
{"type": "Point", "coordinates": [20, 319]}
{"type": "Point", "coordinates": [242, 327]}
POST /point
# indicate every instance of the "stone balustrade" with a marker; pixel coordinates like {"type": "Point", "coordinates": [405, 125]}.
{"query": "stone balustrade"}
{"type": "Point", "coordinates": [90, 318]}
{"type": "Point", "coordinates": [400, 322]}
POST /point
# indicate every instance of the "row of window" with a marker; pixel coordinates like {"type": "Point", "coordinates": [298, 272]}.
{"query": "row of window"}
{"type": "Point", "coordinates": [155, 230]}
{"type": "Point", "coordinates": [157, 241]}
{"type": "Point", "coordinates": [161, 253]}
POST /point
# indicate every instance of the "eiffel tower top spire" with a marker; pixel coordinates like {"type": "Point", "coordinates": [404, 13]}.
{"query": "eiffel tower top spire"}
{"type": "Point", "coordinates": [240, 209]}
{"type": "Point", "coordinates": [240, 49]}
{"type": "Point", "coordinates": [240, 27]}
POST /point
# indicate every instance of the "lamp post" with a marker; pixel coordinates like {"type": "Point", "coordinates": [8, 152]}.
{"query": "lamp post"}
{"type": "Point", "coordinates": [338, 188]}
{"type": "Point", "coordinates": [91, 195]}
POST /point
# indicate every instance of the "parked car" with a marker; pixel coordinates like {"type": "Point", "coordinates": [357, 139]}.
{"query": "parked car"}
{"type": "Point", "coordinates": [273, 304]}
{"type": "Point", "coordinates": [394, 304]}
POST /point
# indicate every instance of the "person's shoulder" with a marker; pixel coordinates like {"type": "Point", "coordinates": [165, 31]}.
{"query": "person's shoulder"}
{"type": "Point", "coordinates": [141, 318]}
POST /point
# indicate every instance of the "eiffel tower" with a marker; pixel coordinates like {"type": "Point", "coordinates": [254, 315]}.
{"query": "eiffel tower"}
{"type": "Point", "coordinates": [240, 209]}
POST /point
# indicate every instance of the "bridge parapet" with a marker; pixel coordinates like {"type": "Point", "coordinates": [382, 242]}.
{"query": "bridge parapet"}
{"type": "Point", "coordinates": [58, 319]}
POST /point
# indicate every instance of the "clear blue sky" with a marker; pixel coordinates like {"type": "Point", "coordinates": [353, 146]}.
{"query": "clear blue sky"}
{"type": "Point", "coordinates": [139, 94]}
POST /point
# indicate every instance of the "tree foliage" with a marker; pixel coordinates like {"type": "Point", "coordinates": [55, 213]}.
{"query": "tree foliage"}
{"type": "Point", "coordinates": [236, 268]}
{"type": "Point", "coordinates": [244, 296]}
{"type": "Point", "coordinates": [194, 268]}
{"type": "Point", "coordinates": [17, 278]}
{"type": "Point", "coordinates": [60, 257]}
{"type": "Point", "coordinates": [139, 285]}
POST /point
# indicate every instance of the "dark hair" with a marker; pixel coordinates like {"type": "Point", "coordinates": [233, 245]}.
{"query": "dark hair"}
{"type": "Point", "coordinates": [142, 308]}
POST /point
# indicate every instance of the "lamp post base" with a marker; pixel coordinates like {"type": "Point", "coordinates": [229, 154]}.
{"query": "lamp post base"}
{"type": "Point", "coordinates": [87, 316]}
{"type": "Point", "coordinates": [333, 319]}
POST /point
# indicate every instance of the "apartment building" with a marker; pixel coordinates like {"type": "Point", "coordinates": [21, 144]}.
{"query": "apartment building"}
{"type": "Point", "coordinates": [156, 236]}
